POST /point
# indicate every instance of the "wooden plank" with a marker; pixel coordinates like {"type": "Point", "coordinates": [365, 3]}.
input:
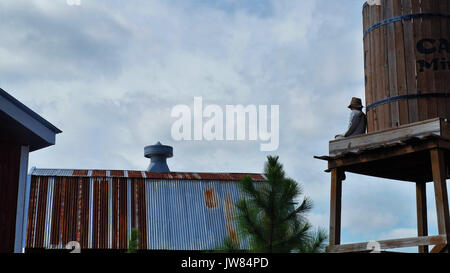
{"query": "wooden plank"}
{"type": "Point", "coordinates": [387, 122]}
{"type": "Point", "coordinates": [439, 75]}
{"type": "Point", "coordinates": [379, 72]}
{"type": "Point", "coordinates": [335, 206]}
{"type": "Point", "coordinates": [443, 144]}
{"type": "Point", "coordinates": [434, 25]}
{"type": "Point", "coordinates": [445, 29]}
{"type": "Point", "coordinates": [344, 145]}
{"type": "Point", "coordinates": [392, 88]}
{"type": "Point", "coordinates": [410, 61]}
{"type": "Point", "coordinates": [425, 79]}
{"type": "Point", "coordinates": [421, 207]}
{"type": "Point", "coordinates": [440, 249]}
{"type": "Point", "coordinates": [443, 75]}
{"type": "Point", "coordinates": [420, 31]}
{"type": "Point", "coordinates": [373, 75]}
{"type": "Point", "coordinates": [445, 128]}
{"type": "Point", "coordinates": [384, 154]}
{"type": "Point", "coordinates": [390, 244]}
{"type": "Point", "coordinates": [411, 168]}
{"type": "Point", "coordinates": [368, 68]}
{"type": "Point", "coordinates": [361, 160]}
{"type": "Point", "coordinates": [400, 64]}
{"type": "Point", "coordinates": [440, 190]}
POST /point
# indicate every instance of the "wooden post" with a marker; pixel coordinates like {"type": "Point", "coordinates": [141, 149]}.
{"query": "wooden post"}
{"type": "Point", "coordinates": [440, 191]}
{"type": "Point", "coordinates": [335, 206]}
{"type": "Point", "coordinates": [421, 205]}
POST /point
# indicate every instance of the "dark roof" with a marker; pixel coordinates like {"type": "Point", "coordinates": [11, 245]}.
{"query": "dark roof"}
{"type": "Point", "coordinates": [30, 112]}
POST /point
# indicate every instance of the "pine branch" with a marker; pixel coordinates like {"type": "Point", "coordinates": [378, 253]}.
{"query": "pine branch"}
{"type": "Point", "coordinates": [249, 221]}
{"type": "Point", "coordinates": [299, 236]}
{"type": "Point", "coordinates": [291, 190]}
{"type": "Point", "coordinates": [248, 187]}
{"type": "Point", "coordinates": [305, 207]}
{"type": "Point", "coordinates": [316, 243]}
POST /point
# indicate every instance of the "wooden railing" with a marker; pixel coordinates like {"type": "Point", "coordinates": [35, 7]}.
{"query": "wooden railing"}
{"type": "Point", "coordinates": [439, 240]}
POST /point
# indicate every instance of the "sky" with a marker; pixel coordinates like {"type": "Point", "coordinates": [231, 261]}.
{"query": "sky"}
{"type": "Point", "coordinates": [108, 73]}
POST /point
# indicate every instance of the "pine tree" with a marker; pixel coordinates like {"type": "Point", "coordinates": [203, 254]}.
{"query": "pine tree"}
{"type": "Point", "coordinates": [271, 219]}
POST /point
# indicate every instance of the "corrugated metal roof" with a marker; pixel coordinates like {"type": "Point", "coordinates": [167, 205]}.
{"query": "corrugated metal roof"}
{"type": "Point", "coordinates": [98, 208]}
{"type": "Point", "coordinates": [143, 174]}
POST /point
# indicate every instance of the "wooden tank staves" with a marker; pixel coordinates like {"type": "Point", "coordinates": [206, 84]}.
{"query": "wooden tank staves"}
{"type": "Point", "coordinates": [407, 62]}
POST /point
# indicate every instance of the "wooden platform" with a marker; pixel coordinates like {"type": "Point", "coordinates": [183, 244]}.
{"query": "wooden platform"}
{"type": "Point", "coordinates": [357, 144]}
{"type": "Point", "coordinates": [397, 154]}
{"type": "Point", "coordinates": [416, 153]}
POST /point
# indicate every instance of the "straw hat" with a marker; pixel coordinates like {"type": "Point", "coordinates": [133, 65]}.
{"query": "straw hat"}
{"type": "Point", "coordinates": [356, 102]}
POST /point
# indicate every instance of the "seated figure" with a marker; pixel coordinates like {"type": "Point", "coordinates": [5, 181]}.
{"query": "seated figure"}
{"type": "Point", "coordinates": [358, 120]}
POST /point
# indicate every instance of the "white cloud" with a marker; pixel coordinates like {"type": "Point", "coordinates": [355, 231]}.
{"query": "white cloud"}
{"type": "Point", "coordinates": [362, 219]}
{"type": "Point", "coordinates": [399, 233]}
{"type": "Point", "coordinates": [319, 220]}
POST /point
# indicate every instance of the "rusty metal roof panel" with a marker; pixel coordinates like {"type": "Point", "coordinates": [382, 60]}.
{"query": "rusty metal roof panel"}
{"type": "Point", "coordinates": [142, 174]}
{"type": "Point", "coordinates": [190, 216]}
{"type": "Point", "coordinates": [135, 174]}
{"type": "Point", "coordinates": [98, 173]}
{"type": "Point", "coordinates": [99, 212]}
{"type": "Point", "coordinates": [53, 172]}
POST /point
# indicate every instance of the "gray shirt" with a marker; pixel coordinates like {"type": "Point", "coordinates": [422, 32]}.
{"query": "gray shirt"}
{"type": "Point", "coordinates": [357, 124]}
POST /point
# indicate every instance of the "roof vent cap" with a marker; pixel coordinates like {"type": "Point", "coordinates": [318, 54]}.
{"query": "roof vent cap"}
{"type": "Point", "coordinates": [158, 155]}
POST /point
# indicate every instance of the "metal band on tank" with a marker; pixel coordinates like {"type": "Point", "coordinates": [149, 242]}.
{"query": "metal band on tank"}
{"type": "Point", "coordinates": [405, 97]}
{"type": "Point", "coordinates": [405, 17]}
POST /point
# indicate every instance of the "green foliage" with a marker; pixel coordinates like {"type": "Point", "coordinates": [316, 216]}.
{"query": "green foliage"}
{"type": "Point", "coordinates": [133, 245]}
{"type": "Point", "coordinates": [316, 242]}
{"type": "Point", "coordinates": [270, 217]}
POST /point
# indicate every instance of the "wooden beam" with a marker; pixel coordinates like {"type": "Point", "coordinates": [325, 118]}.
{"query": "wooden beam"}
{"type": "Point", "coordinates": [421, 206]}
{"type": "Point", "coordinates": [440, 191]}
{"type": "Point", "coordinates": [382, 153]}
{"type": "Point", "coordinates": [344, 145]}
{"type": "Point", "coordinates": [335, 206]}
{"type": "Point", "coordinates": [444, 143]}
{"type": "Point", "coordinates": [439, 249]}
{"type": "Point", "coordinates": [409, 168]}
{"type": "Point", "coordinates": [390, 244]}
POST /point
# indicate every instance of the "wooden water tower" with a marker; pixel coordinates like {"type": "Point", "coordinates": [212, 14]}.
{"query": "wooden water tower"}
{"type": "Point", "coordinates": [407, 78]}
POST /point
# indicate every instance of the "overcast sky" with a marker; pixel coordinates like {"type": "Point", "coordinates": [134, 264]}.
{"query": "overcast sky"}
{"type": "Point", "coordinates": [108, 73]}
